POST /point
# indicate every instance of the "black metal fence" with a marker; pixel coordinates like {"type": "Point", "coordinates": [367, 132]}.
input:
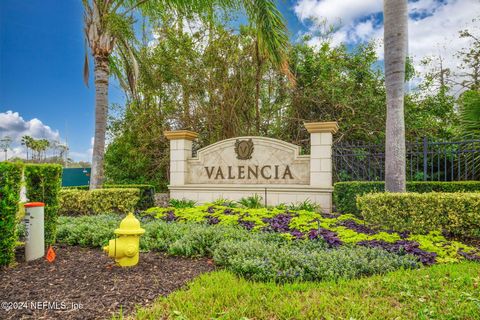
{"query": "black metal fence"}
{"type": "Point", "coordinates": [426, 161]}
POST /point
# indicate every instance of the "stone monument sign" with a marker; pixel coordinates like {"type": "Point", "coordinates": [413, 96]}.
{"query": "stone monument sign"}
{"type": "Point", "coordinates": [244, 166]}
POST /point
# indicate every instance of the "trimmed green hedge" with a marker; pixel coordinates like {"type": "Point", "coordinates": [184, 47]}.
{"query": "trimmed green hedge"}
{"type": "Point", "coordinates": [455, 213]}
{"type": "Point", "coordinates": [10, 184]}
{"type": "Point", "coordinates": [43, 183]}
{"type": "Point", "coordinates": [112, 200]}
{"type": "Point", "coordinates": [147, 193]}
{"type": "Point", "coordinates": [345, 193]}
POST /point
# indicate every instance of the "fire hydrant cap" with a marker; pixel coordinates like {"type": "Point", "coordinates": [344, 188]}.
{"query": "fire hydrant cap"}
{"type": "Point", "coordinates": [129, 226]}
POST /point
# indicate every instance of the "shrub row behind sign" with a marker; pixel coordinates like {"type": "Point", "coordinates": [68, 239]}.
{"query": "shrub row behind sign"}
{"type": "Point", "coordinates": [84, 202]}
{"type": "Point", "coordinates": [345, 193]}
{"type": "Point", "coordinates": [455, 213]}
{"type": "Point", "coordinates": [147, 193]}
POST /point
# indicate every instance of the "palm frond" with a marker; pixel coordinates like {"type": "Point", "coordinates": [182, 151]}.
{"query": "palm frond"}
{"type": "Point", "coordinates": [470, 114]}
{"type": "Point", "coordinates": [271, 32]}
{"type": "Point", "coordinates": [86, 69]}
{"type": "Point", "coordinates": [470, 126]}
{"type": "Point", "coordinates": [86, 66]}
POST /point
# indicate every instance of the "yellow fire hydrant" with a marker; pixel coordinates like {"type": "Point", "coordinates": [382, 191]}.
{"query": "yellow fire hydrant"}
{"type": "Point", "coordinates": [125, 247]}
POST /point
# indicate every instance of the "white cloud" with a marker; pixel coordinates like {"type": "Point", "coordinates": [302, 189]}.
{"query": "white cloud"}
{"type": "Point", "coordinates": [14, 126]}
{"type": "Point", "coordinates": [344, 11]}
{"type": "Point", "coordinates": [433, 25]}
{"type": "Point", "coordinates": [83, 155]}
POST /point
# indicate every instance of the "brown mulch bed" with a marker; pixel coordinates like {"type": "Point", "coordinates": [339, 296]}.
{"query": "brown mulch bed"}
{"type": "Point", "coordinates": [90, 280]}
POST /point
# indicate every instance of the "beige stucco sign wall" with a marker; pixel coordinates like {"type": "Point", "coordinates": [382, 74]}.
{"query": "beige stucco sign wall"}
{"type": "Point", "coordinates": [244, 166]}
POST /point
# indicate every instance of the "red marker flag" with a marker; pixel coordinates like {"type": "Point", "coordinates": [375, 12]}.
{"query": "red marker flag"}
{"type": "Point", "coordinates": [50, 254]}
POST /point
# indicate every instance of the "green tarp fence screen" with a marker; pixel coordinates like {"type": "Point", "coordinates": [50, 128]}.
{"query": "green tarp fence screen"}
{"type": "Point", "coordinates": [75, 177]}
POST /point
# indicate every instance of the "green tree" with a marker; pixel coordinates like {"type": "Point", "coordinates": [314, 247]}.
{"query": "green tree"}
{"type": "Point", "coordinates": [108, 25]}
{"type": "Point", "coordinates": [334, 84]}
{"type": "Point", "coordinates": [470, 60]}
{"type": "Point", "coordinates": [430, 107]}
{"type": "Point", "coordinates": [27, 142]}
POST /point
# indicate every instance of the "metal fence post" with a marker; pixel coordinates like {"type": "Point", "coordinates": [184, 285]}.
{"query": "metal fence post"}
{"type": "Point", "coordinates": [425, 158]}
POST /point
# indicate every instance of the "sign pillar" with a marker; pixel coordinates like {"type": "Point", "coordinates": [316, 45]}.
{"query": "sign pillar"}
{"type": "Point", "coordinates": [321, 152]}
{"type": "Point", "coordinates": [180, 152]}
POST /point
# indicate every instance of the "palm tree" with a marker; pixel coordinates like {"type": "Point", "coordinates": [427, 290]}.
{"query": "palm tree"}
{"type": "Point", "coordinates": [43, 146]}
{"type": "Point", "coordinates": [35, 147]}
{"type": "Point", "coordinates": [27, 142]}
{"type": "Point", "coordinates": [109, 27]}
{"type": "Point", "coordinates": [395, 41]}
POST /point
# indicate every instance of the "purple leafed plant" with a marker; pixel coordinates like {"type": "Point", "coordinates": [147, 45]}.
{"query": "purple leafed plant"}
{"type": "Point", "coordinates": [211, 210]}
{"type": "Point", "coordinates": [359, 228]}
{"type": "Point", "coordinates": [297, 234]}
{"type": "Point", "coordinates": [474, 256]}
{"type": "Point", "coordinates": [329, 236]}
{"type": "Point", "coordinates": [329, 215]}
{"type": "Point", "coordinates": [212, 220]}
{"type": "Point", "coordinates": [406, 246]}
{"type": "Point", "coordinates": [228, 211]}
{"type": "Point", "coordinates": [404, 234]}
{"type": "Point", "coordinates": [278, 223]}
{"type": "Point", "coordinates": [170, 216]}
{"type": "Point", "coordinates": [246, 224]}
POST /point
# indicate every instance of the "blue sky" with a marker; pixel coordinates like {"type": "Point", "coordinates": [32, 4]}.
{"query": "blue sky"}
{"type": "Point", "coordinates": [42, 51]}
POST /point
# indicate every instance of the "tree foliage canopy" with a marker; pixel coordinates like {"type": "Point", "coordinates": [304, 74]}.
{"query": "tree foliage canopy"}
{"type": "Point", "coordinates": [202, 76]}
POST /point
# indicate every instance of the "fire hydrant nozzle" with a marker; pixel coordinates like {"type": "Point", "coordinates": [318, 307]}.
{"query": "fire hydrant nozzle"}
{"type": "Point", "coordinates": [125, 247]}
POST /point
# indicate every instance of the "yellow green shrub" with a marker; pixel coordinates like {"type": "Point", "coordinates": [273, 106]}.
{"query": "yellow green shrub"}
{"type": "Point", "coordinates": [456, 213]}
{"type": "Point", "coordinates": [84, 202]}
{"type": "Point", "coordinates": [345, 193]}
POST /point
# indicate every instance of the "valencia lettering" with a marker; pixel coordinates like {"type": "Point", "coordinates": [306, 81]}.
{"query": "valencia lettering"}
{"type": "Point", "coordinates": [266, 172]}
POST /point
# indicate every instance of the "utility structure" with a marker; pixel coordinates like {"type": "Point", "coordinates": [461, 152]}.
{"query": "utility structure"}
{"type": "Point", "coordinates": [5, 145]}
{"type": "Point", "coordinates": [125, 247]}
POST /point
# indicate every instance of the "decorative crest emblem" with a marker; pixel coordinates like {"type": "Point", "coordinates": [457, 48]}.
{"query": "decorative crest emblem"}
{"type": "Point", "coordinates": [244, 149]}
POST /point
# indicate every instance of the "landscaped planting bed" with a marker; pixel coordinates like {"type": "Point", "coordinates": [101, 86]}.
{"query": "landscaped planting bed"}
{"type": "Point", "coordinates": [88, 278]}
{"type": "Point", "coordinates": [276, 244]}
{"type": "Point", "coordinates": [257, 255]}
{"type": "Point", "coordinates": [334, 230]}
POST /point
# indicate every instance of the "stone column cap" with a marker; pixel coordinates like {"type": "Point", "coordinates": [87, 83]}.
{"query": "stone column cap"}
{"type": "Point", "coordinates": [180, 135]}
{"type": "Point", "coordinates": [321, 127]}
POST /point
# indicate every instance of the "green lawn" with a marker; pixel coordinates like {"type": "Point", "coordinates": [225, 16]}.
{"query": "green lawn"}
{"type": "Point", "coordinates": [444, 291]}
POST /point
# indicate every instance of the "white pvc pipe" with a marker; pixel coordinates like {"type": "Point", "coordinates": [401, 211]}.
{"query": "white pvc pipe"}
{"type": "Point", "coordinates": [35, 237]}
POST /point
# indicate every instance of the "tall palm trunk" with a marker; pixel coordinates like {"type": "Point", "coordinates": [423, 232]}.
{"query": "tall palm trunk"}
{"type": "Point", "coordinates": [395, 44]}
{"type": "Point", "coordinates": [258, 78]}
{"type": "Point", "coordinates": [101, 111]}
